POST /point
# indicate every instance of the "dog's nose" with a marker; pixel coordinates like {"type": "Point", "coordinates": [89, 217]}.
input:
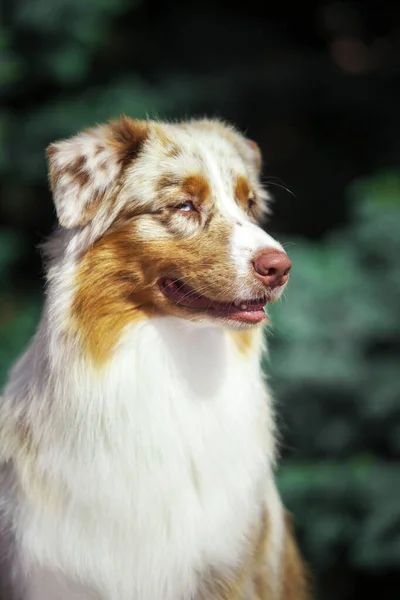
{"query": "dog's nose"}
{"type": "Point", "coordinates": [272, 267]}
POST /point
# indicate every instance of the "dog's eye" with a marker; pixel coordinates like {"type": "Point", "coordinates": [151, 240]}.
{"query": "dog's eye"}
{"type": "Point", "coordinates": [187, 206]}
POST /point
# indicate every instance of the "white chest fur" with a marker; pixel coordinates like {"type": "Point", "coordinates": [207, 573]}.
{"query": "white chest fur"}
{"type": "Point", "coordinates": [155, 467]}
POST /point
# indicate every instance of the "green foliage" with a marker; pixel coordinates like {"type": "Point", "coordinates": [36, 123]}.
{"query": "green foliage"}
{"type": "Point", "coordinates": [334, 363]}
{"type": "Point", "coordinates": [18, 314]}
{"type": "Point", "coordinates": [71, 50]}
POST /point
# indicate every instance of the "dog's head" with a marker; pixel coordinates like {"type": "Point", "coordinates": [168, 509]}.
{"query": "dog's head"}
{"type": "Point", "coordinates": [172, 215]}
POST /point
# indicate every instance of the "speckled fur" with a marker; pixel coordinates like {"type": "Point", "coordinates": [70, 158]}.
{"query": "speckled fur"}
{"type": "Point", "coordinates": [137, 438]}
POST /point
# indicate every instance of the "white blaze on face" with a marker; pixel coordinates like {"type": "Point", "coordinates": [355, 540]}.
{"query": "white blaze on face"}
{"type": "Point", "coordinates": [247, 238]}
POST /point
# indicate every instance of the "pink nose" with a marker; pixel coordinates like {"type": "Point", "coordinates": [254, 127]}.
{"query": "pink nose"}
{"type": "Point", "coordinates": [272, 267]}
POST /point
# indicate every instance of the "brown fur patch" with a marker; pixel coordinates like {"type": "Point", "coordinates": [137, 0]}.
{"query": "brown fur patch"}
{"type": "Point", "coordinates": [242, 191]}
{"type": "Point", "coordinates": [244, 340]}
{"type": "Point", "coordinates": [102, 306]}
{"type": "Point", "coordinates": [99, 149]}
{"type": "Point", "coordinates": [166, 180]}
{"type": "Point", "coordinates": [51, 151]}
{"type": "Point", "coordinates": [260, 574]}
{"type": "Point", "coordinates": [294, 578]}
{"type": "Point", "coordinates": [76, 170]}
{"type": "Point", "coordinates": [196, 186]}
{"type": "Point", "coordinates": [93, 206]}
{"type": "Point", "coordinates": [81, 175]}
{"type": "Point", "coordinates": [247, 199]}
{"type": "Point", "coordinates": [75, 167]}
{"type": "Point", "coordinates": [127, 137]}
{"type": "Point", "coordinates": [173, 151]}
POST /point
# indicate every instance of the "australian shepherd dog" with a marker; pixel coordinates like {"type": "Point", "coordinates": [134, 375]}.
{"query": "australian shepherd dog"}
{"type": "Point", "coordinates": [137, 438]}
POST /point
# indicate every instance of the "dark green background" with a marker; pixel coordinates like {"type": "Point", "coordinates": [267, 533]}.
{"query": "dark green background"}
{"type": "Point", "coordinates": [317, 85]}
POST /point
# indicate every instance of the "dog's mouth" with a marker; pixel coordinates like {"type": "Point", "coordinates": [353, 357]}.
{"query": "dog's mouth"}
{"type": "Point", "coordinates": [246, 311]}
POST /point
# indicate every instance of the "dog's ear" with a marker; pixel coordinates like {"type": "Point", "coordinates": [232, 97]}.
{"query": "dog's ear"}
{"type": "Point", "coordinates": [254, 154]}
{"type": "Point", "coordinates": [84, 170]}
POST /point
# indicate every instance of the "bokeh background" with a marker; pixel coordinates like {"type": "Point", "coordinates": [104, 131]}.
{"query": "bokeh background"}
{"type": "Point", "coordinates": [317, 85]}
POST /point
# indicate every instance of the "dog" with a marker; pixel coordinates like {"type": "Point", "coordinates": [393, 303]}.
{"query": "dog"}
{"type": "Point", "coordinates": [137, 436]}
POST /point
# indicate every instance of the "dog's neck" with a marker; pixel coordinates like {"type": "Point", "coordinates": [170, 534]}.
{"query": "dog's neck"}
{"type": "Point", "coordinates": [167, 358]}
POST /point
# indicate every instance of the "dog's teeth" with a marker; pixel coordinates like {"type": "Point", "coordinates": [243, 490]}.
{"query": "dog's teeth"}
{"type": "Point", "coordinates": [237, 303]}
{"type": "Point", "coordinates": [243, 306]}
